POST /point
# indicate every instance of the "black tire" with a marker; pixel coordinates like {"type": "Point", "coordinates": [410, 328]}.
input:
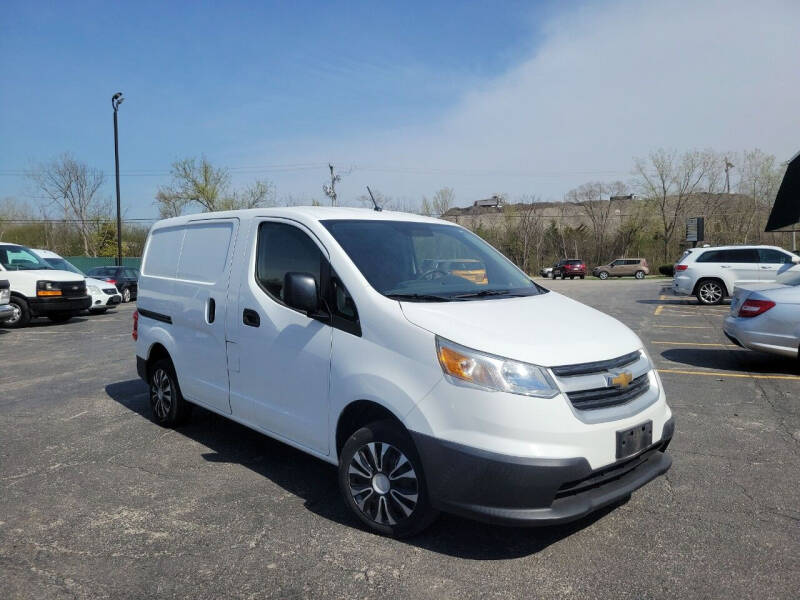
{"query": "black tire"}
{"type": "Point", "coordinates": [168, 409]}
{"type": "Point", "coordinates": [603, 275]}
{"type": "Point", "coordinates": [22, 314]}
{"type": "Point", "coordinates": [126, 295]}
{"type": "Point", "coordinates": [583, 276]}
{"type": "Point", "coordinates": [710, 291]}
{"type": "Point", "coordinates": [400, 511]}
{"type": "Point", "coordinates": [60, 317]}
{"type": "Point", "coordinates": [639, 275]}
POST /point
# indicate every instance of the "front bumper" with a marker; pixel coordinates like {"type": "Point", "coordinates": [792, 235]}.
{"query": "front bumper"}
{"type": "Point", "coordinates": [512, 490]}
{"type": "Point", "coordinates": [5, 312]}
{"type": "Point", "coordinates": [46, 306]}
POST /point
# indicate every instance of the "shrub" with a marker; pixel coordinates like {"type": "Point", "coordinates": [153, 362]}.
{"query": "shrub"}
{"type": "Point", "coordinates": [668, 270]}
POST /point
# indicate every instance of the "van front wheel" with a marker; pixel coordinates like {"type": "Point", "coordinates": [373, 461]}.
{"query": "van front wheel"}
{"type": "Point", "coordinates": [381, 479]}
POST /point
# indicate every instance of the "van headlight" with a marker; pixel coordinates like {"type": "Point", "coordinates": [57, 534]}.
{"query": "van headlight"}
{"type": "Point", "coordinates": [93, 289]}
{"type": "Point", "coordinates": [493, 372]}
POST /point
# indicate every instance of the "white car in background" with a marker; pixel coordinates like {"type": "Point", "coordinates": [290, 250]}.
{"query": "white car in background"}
{"type": "Point", "coordinates": [104, 294]}
{"type": "Point", "coordinates": [711, 274]}
{"type": "Point", "coordinates": [766, 317]}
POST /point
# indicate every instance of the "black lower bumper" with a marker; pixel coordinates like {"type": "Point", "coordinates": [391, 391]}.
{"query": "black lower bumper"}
{"type": "Point", "coordinates": [46, 306]}
{"type": "Point", "coordinates": [531, 491]}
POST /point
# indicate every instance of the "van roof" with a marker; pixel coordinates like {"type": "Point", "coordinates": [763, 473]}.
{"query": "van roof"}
{"type": "Point", "coordinates": [304, 213]}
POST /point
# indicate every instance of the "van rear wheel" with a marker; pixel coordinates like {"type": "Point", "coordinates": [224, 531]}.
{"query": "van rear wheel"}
{"type": "Point", "coordinates": [166, 401]}
{"type": "Point", "coordinates": [639, 275]}
{"type": "Point", "coordinates": [381, 479]}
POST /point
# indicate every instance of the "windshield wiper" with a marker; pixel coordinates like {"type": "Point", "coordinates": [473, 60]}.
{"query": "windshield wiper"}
{"type": "Point", "coordinates": [484, 293]}
{"type": "Point", "coordinates": [419, 297]}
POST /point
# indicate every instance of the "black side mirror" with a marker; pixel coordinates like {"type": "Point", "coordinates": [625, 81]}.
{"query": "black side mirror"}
{"type": "Point", "coordinates": [300, 292]}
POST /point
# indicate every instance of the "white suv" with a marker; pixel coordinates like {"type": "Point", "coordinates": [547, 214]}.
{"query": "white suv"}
{"type": "Point", "coordinates": [328, 329]}
{"type": "Point", "coordinates": [711, 274]}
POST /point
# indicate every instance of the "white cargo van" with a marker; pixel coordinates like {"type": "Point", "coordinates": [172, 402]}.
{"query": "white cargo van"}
{"type": "Point", "coordinates": [322, 328]}
{"type": "Point", "coordinates": [39, 290]}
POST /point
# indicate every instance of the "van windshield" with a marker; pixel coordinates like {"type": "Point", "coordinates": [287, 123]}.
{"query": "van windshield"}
{"type": "Point", "coordinates": [20, 258]}
{"type": "Point", "coordinates": [428, 262]}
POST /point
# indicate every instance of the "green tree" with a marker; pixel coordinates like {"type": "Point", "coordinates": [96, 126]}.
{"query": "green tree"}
{"type": "Point", "coordinates": [197, 184]}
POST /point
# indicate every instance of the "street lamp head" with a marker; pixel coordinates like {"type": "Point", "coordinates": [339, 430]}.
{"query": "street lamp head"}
{"type": "Point", "coordinates": [116, 100]}
{"type": "Point", "coordinates": [117, 95]}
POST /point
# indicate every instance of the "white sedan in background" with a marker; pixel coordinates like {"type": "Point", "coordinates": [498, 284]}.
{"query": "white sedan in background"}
{"type": "Point", "coordinates": [766, 317]}
{"type": "Point", "coordinates": [104, 294]}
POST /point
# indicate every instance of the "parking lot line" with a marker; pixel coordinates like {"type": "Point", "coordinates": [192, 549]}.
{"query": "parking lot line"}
{"type": "Point", "coordinates": [685, 326]}
{"type": "Point", "coordinates": [696, 344]}
{"type": "Point", "coordinates": [723, 374]}
{"type": "Point", "coordinates": [668, 311]}
{"type": "Point", "coordinates": [658, 310]}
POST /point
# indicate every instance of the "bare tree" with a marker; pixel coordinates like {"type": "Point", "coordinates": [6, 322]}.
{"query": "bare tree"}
{"type": "Point", "coordinates": [668, 182]}
{"type": "Point", "coordinates": [203, 184]}
{"type": "Point", "coordinates": [589, 201]}
{"type": "Point", "coordinates": [525, 231]}
{"type": "Point", "coordinates": [760, 178]}
{"type": "Point", "coordinates": [74, 188]}
{"type": "Point", "coordinates": [443, 200]}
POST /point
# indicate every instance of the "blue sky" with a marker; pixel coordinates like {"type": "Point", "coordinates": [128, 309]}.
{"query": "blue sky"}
{"type": "Point", "coordinates": [516, 97]}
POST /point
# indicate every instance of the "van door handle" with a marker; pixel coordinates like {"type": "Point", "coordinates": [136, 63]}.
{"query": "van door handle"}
{"type": "Point", "coordinates": [212, 310]}
{"type": "Point", "coordinates": [251, 318]}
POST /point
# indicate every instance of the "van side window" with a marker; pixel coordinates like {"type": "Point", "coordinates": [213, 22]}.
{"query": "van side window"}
{"type": "Point", "coordinates": [284, 249]}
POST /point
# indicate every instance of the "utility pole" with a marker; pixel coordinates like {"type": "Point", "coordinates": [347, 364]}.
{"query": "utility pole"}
{"type": "Point", "coordinates": [330, 190]}
{"type": "Point", "coordinates": [728, 167]}
{"type": "Point", "coordinates": [116, 100]}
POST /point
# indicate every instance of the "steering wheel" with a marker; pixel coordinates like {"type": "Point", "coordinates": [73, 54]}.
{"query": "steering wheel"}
{"type": "Point", "coordinates": [429, 275]}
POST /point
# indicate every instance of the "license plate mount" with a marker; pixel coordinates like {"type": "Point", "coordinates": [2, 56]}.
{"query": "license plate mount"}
{"type": "Point", "coordinates": [634, 440]}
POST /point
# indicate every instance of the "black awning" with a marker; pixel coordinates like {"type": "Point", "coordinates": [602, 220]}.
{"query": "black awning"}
{"type": "Point", "coordinates": [785, 215]}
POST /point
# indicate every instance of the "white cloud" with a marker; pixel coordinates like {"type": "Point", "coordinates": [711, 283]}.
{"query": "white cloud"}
{"type": "Point", "coordinates": [607, 83]}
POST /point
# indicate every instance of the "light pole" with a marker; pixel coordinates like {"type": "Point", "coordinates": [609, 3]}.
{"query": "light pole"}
{"type": "Point", "coordinates": [116, 100]}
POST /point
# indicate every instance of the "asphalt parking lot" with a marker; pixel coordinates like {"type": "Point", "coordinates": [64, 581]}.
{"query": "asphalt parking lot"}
{"type": "Point", "coordinates": [98, 501]}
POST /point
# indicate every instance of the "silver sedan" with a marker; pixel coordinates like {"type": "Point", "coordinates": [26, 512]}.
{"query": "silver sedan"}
{"type": "Point", "coordinates": [766, 317]}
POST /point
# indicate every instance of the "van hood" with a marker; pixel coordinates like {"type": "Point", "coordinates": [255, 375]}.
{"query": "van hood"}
{"type": "Point", "coordinates": [548, 330]}
{"type": "Point", "coordinates": [44, 275]}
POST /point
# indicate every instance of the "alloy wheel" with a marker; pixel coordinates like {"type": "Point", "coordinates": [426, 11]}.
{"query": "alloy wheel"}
{"type": "Point", "coordinates": [383, 483]}
{"type": "Point", "coordinates": [161, 394]}
{"type": "Point", "coordinates": [710, 292]}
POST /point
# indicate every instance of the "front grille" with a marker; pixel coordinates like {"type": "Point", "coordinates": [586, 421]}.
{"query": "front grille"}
{"type": "Point", "coordinates": [71, 290]}
{"type": "Point", "coordinates": [609, 396]}
{"type": "Point", "coordinates": [610, 473]}
{"type": "Point", "coordinates": [596, 367]}
{"type": "Point", "coordinates": [110, 291]}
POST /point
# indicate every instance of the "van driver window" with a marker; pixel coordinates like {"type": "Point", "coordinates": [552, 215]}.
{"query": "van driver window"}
{"type": "Point", "coordinates": [284, 249]}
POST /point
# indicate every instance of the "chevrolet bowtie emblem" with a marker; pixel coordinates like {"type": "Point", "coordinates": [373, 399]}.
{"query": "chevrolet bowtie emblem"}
{"type": "Point", "coordinates": [622, 380]}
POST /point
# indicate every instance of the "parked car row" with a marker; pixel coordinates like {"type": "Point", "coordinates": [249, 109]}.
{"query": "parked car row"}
{"type": "Point", "coordinates": [575, 267]}
{"type": "Point", "coordinates": [40, 283]}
